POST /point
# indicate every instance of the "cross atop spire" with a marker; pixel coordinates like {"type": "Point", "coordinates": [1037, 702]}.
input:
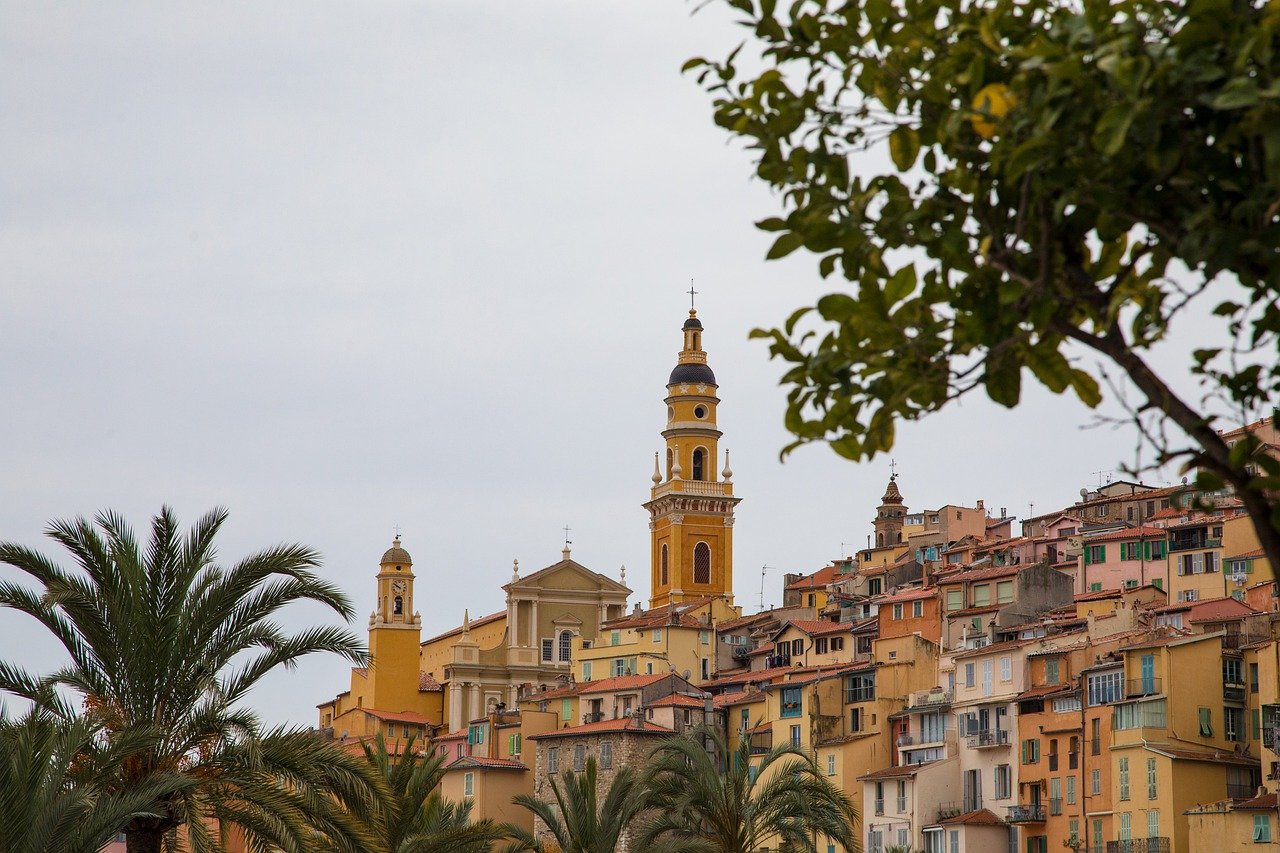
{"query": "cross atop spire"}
{"type": "Point", "coordinates": [692, 293]}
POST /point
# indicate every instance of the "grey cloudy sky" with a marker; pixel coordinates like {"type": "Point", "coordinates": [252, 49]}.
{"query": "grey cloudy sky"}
{"type": "Point", "coordinates": [343, 266]}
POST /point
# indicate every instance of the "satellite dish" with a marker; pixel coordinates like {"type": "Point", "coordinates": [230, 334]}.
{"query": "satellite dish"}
{"type": "Point", "coordinates": [686, 675]}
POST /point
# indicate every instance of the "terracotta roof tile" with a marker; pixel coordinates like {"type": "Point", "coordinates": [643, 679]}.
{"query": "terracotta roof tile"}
{"type": "Point", "coordinates": [816, 627]}
{"type": "Point", "coordinates": [623, 724]}
{"type": "Point", "coordinates": [982, 817]}
{"type": "Point", "coordinates": [398, 716]}
{"type": "Point", "coordinates": [984, 574]}
{"type": "Point", "coordinates": [1128, 533]}
{"type": "Point", "coordinates": [427, 684]}
{"type": "Point", "coordinates": [619, 682]}
{"type": "Point", "coordinates": [678, 700]}
{"type": "Point", "coordinates": [489, 763]}
{"type": "Point", "coordinates": [817, 580]}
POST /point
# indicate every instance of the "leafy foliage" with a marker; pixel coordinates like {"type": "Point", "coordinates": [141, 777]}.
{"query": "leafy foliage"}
{"type": "Point", "coordinates": [1066, 178]}
{"type": "Point", "coordinates": [164, 640]}
{"type": "Point", "coordinates": [700, 807]}
{"type": "Point", "coordinates": [578, 821]}
{"type": "Point", "coordinates": [410, 815]}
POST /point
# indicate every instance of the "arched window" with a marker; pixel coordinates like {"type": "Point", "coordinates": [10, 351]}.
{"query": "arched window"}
{"type": "Point", "coordinates": [566, 646]}
{"type": "Point", "coordinates": [699, 458]}
{"type": "Point", "coordinates": [879, 540]}
{"type": "Point", "coordinates": [397, 606]}
{"type": "Point", "coordinates": [702, 563]}
{"type": "Point", "coordinates": [664, 565]}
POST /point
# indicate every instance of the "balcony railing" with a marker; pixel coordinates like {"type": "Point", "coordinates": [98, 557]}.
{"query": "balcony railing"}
{"type": "Point", "coordinates": [1233, 692]}
{"type": "Point", "coordinates": [1140, 845]}
{"type": "Point", "coordinates": [879, 805]}
{"type": "Point", "coordinates": [593, 717]}
{"type": "Point", "coordinates": [1142, 687]}
{"type": "Point", "coordinates": [946, 810]}
{"type": "Point", "coordinates": [988, 738]}
{"type": "Point", "coordinates": [1029, 813]}
{"type": "Point", "coordinates": [905, 740]}
{"type": "Point", "coordinates": [1241, 790]}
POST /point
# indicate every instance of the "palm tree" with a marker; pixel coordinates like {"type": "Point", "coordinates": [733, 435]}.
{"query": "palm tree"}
{"type": "Point", "coordinates": [700, 807]}
{"type": "Point", "coordinates": [164, 637]}
{"type": "Point", "coordinates": [49, 802]}
{"type": "Point", "coordinates": [412, 816]}
{"type": "Point", "coordinates": [579, 823]}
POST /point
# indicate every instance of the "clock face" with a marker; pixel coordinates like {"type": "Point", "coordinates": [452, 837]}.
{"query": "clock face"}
{"type": "Point", "coordinates": [398, 586]}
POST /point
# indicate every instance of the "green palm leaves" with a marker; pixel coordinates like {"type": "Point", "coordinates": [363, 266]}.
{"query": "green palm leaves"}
{"type": "Point", "coordinates": [698, 807]}
{"type": "Point", "coordinates": [579, 822]}
{"type": "Point", "coordinates": [163, 644]}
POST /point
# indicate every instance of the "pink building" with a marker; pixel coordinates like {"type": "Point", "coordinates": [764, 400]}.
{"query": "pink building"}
{"type": "Point", "coordinates": [1124, 559]}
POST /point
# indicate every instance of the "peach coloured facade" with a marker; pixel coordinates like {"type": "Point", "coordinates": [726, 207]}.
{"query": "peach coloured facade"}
{"type": "Point", "coordinates": [913, 611]}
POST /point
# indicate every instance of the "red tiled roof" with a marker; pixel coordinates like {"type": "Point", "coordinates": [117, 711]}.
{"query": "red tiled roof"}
{"type": "Point", "coordinates": [757, 676]}
{"type": "Point", "coordinates": [558, 693]}
{"type": "Point", "coordinates": [895, 772]}
{"type": "Point", "coordinates": [817, 580]}
{"type": "Point", "coordinates": [1099, 595]}
{"type": "Point", "coordinates": [909, 594]}
{"type": "Point", "coordinates": [489, 763]}
{"type": "Point", "coordinates": [659, 616]}
{"type": "Point", "coordinates": [983, 574]}
{"type": "Point", "coordinates": [1126, 534]}
{"type": "Point", "coordinates": [398, 716]}
{"type": "Point", "coordinates": [762, 649]}
{"type": "Point", "coordinates": [816, 627]}
{"type": "Point", "coordinates": [1266, 801]}
{"type": "Point", "coordinates": [678, 700]}
{"type": "Point", "coordinates": [975, 611]}
{"type": "Point", "coordinates": [427, 684]}
{"type": "Point", "coordinates": [1042, 691]}
{"type": "Point", "coordinates": [982, 817]}
{"type": "Point", "coordinates": [619, 682]}
{"type": "Point", "coordinates": [1211, 757]}
{"type": "Point", "coordinates": [993, 647]}
{"type": "Point", "coordinates": [1210, 609]}
{"type": "Point", "coordinates": [623, 724]}
{"type": "Point", "coordinates": [742, 697]}
{"type": "Point", "coordinates": [1249, 555]}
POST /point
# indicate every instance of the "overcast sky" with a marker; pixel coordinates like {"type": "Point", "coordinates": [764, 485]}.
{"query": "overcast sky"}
{"type": "Point", "coordinates": [341, 267]}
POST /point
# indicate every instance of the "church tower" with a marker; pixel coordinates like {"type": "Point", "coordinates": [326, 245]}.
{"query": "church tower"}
{"type": "Point", "coordinates": [395, 632]}
{"type": "Point", "coordinates": [890, 516]}
{"type": "Point", "coordinates": [691, 506]}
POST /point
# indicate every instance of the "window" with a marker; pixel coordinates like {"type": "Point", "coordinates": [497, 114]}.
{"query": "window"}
{"type": "Point", "coordinates": [874, 587]}
{"type": "Point", "coordinates": [1137, 715]}
{"type": "Point", "coordinates": [982, 595]}
{"type": "Point", "coordinates": [897, 611]}
{"type": "Point", "coordinates": [1233, 724]}
{"type": "Point", "coordinates": [468, 784]}
{"type": "Point", "coordinates": [986, 677]}
{"type": "Point", "coordinates": [1206, 722]}
{"type": "Point", "coordinates": [514, 744]}
{"type": "Point", "coordinates": [657, 635]}
{"type": "Point", "coordinates": [1095, 781]}
{"type": "Point", "coordinates": [548, 649]}
{"type": "Point", "coordinates": [1051, 674]}
{"type": "Point", "coordinates": [902, 796]}
{"type": "Point", "coordinates": [586, 670]}
{"type": "Point", "coordinates": [1067, 703]}
{"type": "Point", "coordinates": [855, 719]}
{"type": "Point", "coordinates": [699, 463]}
{"type": "Point", "coordinates": [1031, 751]}
{"type": "Point", "coordinates": [553, 760]}
{"type": "Point", "coordinates": [1105, 688]}
{"type": "Point", "coordinates": [1124, 778]}
{"type": "Point", "coordinates": [704, 637]}
{"type": "Point", "coordinates": [706, 669]}
{"type": "Point", "coordinates": [615, 638]}
{"type": "Point", "coordinates": [1153, 824]}
{"type": "Point", "coordinates": [917, 609]}
{"type": "Point", "coordinates": [1055, 796]}
{"type": "Point", "coordinates": [933, 728]}
{"type": "Point", "coordinates": [1004, 592]}
{"type": "Point", "coordinates": [606, 755]}
{"type": "Point", "coordinates": [1151, 779]}
{"type": "Point", "coordinates": [860, 687]}
{"type": "Point", "coordinates": [702, 563]}
{"type": "Point", "coordinates": [968, 675]}
{"type": "Point", "coordinates": [619, 666]}
{"type": "Point", "coordinates": [1262, 828]}
{"type": "Point", "coordinates": [955, 599]}
{"type": "Point", "coordinates": [1095, 736]}
{"type": "Point", "coordinates": [1233, 671]}
{"type": "Point", "coordinates": [831, 764]}
{"type": "Point", "coordinates": [1097, 837]}
{"type": "Point", "coordinates": [566, 646]}
{"type": "Point", "coordinates": [797, 647]}
{"type": "Point", "coordinates": [1095, 553]}
{"type": "Point", "coordinates": [837, 644]}
{"type": "Point", "coordinates": [475, 734]}
{"type": "Point", "coordinates": [580, 757]}
{"type": "Point", "coordinates": [461, 748]}
{"type": "Point", "coordinates": [1006, 669]}
{"type": "Point", "coordinates": [791, 701]}
{"type": "Point", "coordinates": [665, 564]}
{"type": "Point", "coordinates": [1071, 790]}
{"type": "Point", "coordinates": [795, 735]}
{"type": "Point", "coordinates": [1004, 781]}
{"type": "Point", "coordinates": [566, 709]}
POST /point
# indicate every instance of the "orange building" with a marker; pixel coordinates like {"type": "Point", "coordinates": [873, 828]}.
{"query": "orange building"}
{"type": "Point", "coordinates": [911, 611]}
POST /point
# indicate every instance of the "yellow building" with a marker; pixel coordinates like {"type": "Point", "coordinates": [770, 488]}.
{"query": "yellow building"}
{"type": "Point", "coordinates": [691, 504]}
{"type": "Point", "coordinates": [1178, 742]}
{"type": "Point", "coordinates": [1200, 552]}
{"type": "Point", "coordinates": [390, 696]}
{"type": "Point", "coordinates": [677, 638]}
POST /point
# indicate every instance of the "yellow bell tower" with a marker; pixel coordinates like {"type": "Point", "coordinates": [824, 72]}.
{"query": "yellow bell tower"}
{"type": "Point", "coordinates": [395, 632]}
{"type": "Point", "coordinates": [691, 506]}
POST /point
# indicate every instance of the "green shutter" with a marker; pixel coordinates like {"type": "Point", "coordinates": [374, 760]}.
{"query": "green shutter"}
{"type": "Point", "coordinates": [1206, 722]}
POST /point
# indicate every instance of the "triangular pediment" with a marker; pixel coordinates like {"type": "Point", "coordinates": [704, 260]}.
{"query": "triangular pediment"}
{"type": "Point", "coordinates": [566, 619]}
{"type": "Point", "coordinates": [569, 575]}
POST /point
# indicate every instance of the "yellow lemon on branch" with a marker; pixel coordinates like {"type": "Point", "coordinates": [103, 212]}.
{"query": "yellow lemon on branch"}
{"type": "Point", "coordinates": [990, 105]}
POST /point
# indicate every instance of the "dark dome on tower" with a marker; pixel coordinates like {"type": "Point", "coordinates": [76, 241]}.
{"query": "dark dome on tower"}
{"type": "Point", "coordinates": [692, 374]}
{"type": "Point", "coordinates": [396, 554]}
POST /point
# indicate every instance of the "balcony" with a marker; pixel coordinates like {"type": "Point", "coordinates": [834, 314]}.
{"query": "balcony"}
{"type": "Point", "coordinates": [929, 700]}
{"type": "Point", "coordinates": [1142, 687]}
{"type": "Point", "coordinates": [1140, 845]}
{"type": "Point", "coordinates": [905, 740]}
{"type": "Point", "coordinates": [988, 738]}
{"type": "Point", "coordinates": [1029, 813]}
{"type": "Point", "coordinates": [592, 717]}
{"type": "Point", "coordinates": [946, 810]}
{"type": "Point", "coordinates": [761, 743]}
{"type": "Point", "coordinates": [1241, 790]}
{"type": "Point", "coordinates": [879, 805]}
{"type": "Point", "coordinates": [1233, 692]}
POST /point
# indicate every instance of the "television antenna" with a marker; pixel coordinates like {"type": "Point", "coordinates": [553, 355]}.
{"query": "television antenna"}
{"type": "Point", "coordinates": [762, 571]}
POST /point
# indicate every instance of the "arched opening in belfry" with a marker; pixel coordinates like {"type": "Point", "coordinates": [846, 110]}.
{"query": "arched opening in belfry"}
{"type": "Point", "coordinates": [664, 566]}
{"type": "Point", "coordinates": [702, 563]}
{"type": "Point", "coordinates": [397, 606]}
{"type": "Point", "coordinates": [699, 463]}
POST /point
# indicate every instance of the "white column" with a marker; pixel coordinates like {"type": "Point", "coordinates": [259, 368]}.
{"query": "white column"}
{"type": "Point", "coordinates": [455, 706]}
{"type": "Point", "coordinates": [533, 628]}
{"type": "Point", "coordinates": [476, 708]}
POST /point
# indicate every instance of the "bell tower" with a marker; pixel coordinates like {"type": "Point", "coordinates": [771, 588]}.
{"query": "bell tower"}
{"type": "Point", "coordinates": [691, 505]}
{"type": "Point", "coordinates": [890, 515]}
{"type": "Point", "coordinates": [395, 631]}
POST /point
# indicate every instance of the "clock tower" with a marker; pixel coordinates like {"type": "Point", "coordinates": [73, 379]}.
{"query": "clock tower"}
{"type": "Point", "coordinates": [691, 503]}
{"type": "Point", "coordinates": [395, 632]}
